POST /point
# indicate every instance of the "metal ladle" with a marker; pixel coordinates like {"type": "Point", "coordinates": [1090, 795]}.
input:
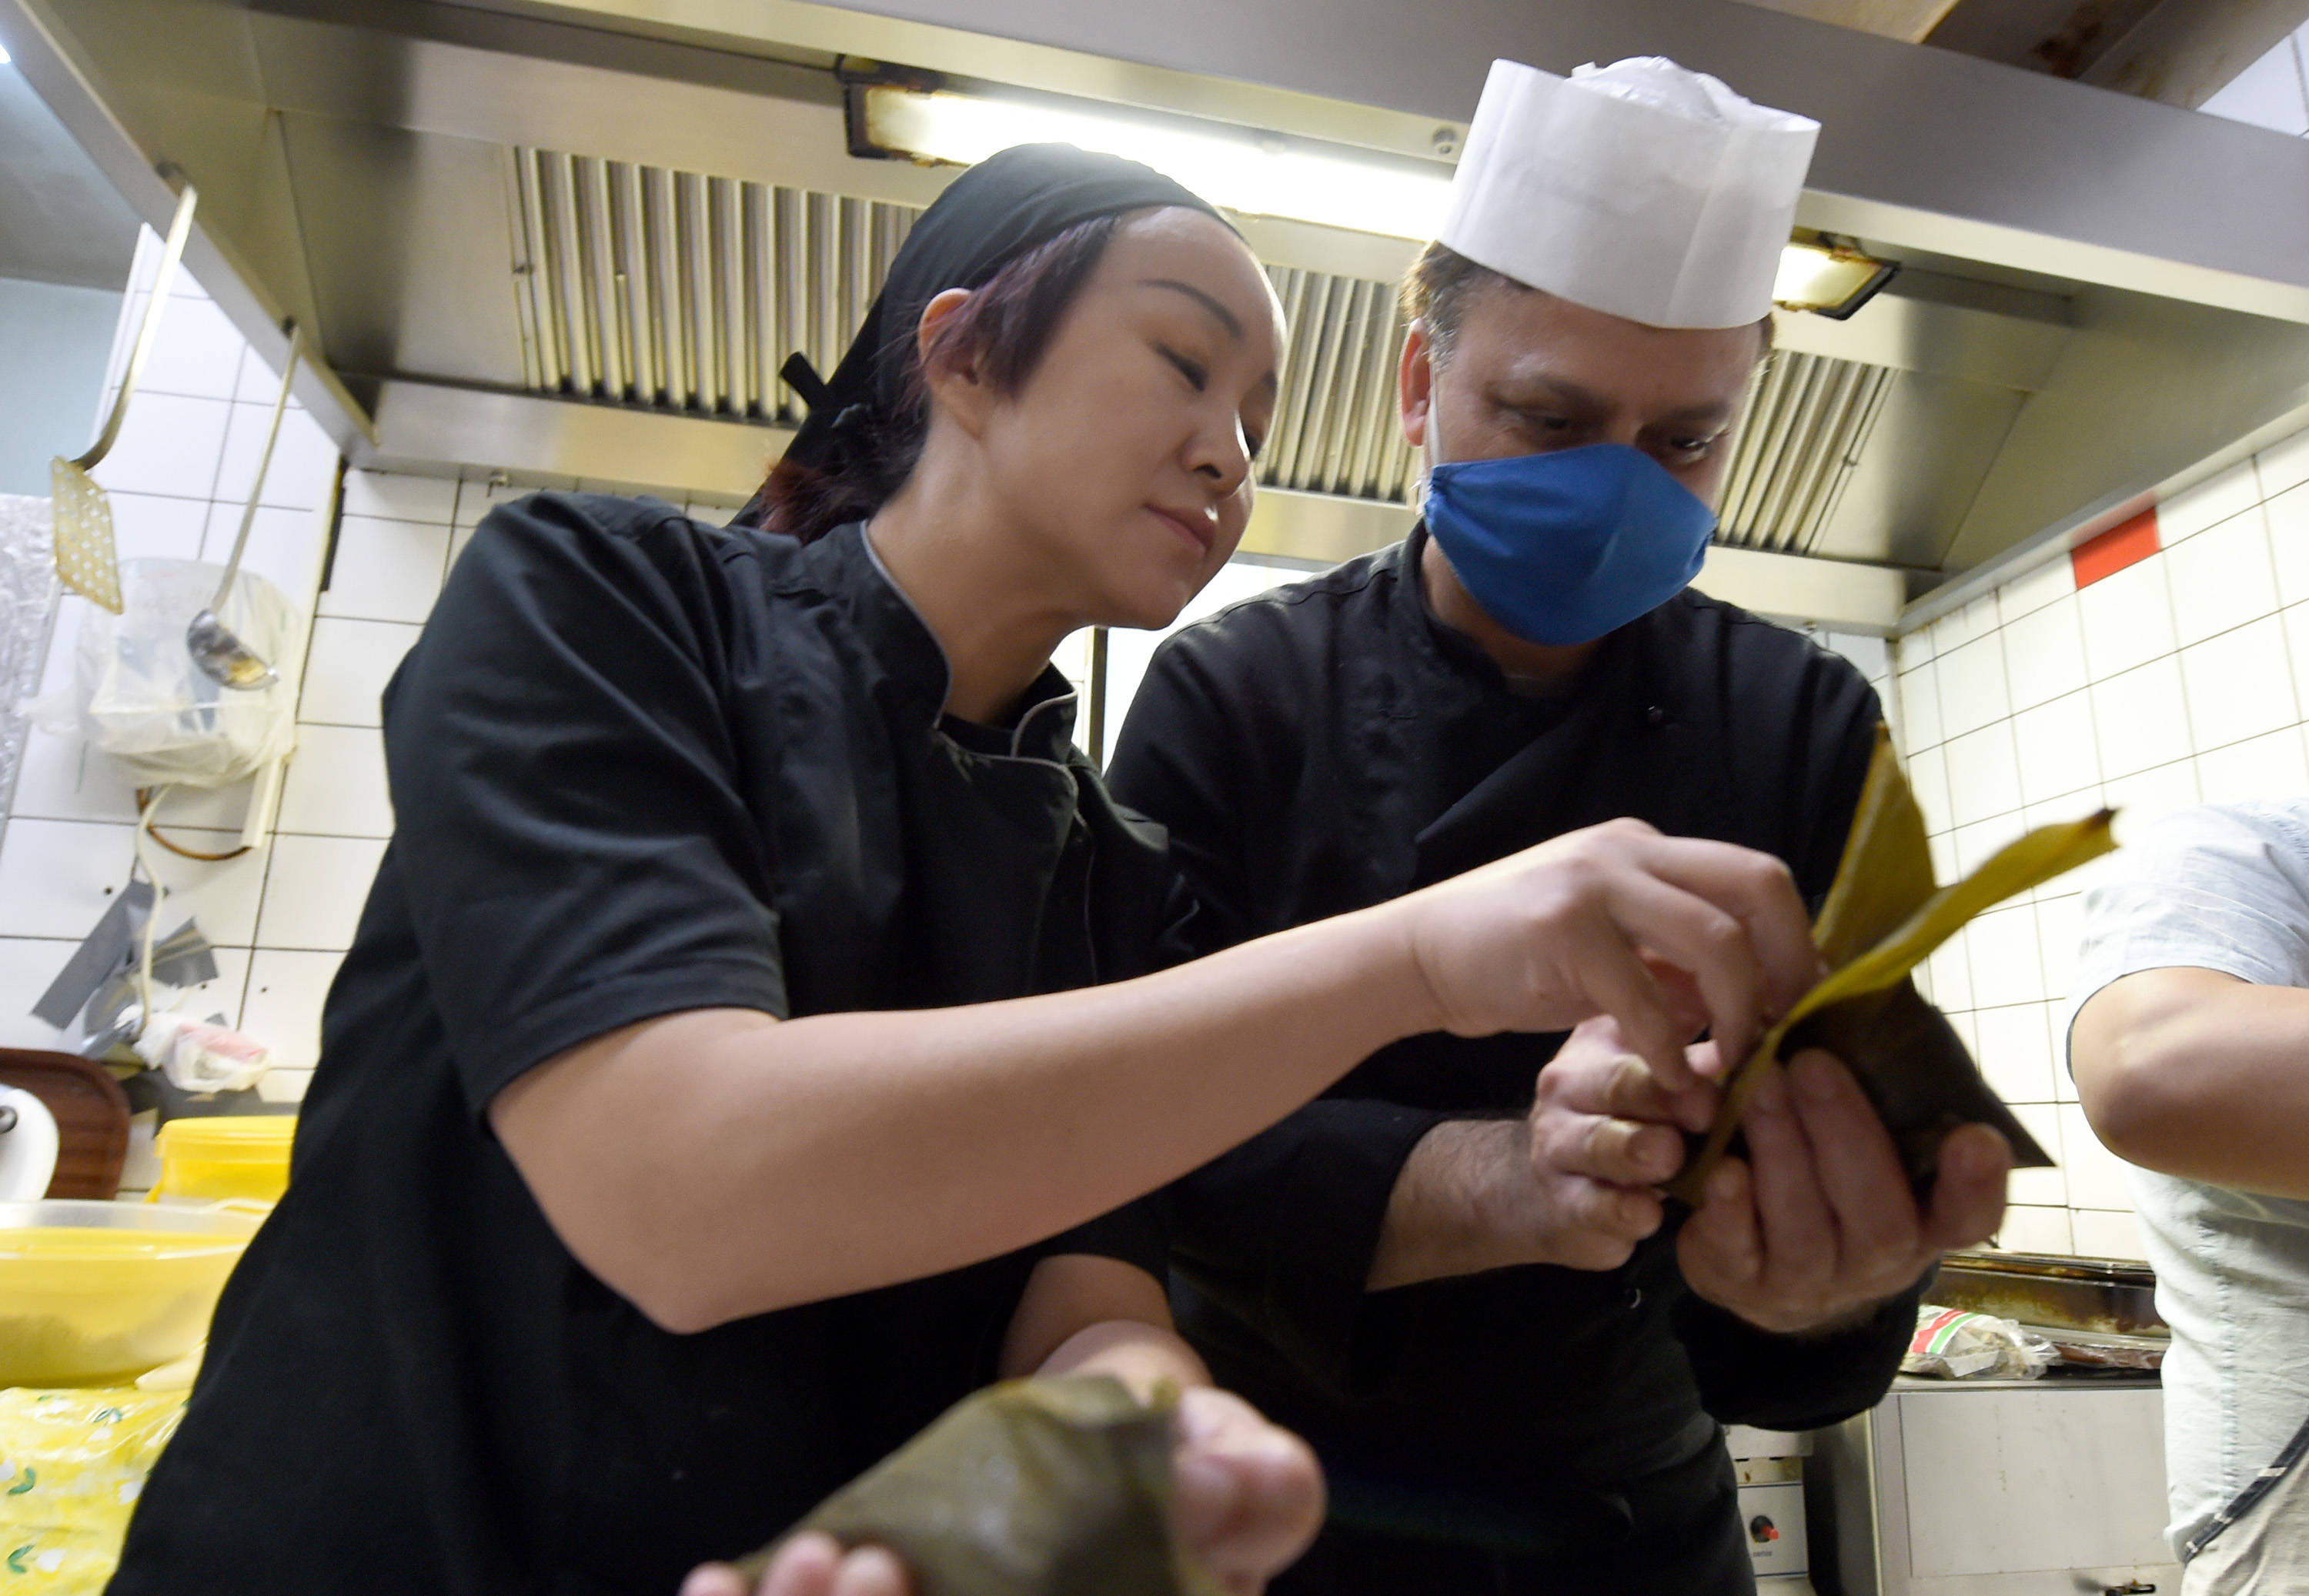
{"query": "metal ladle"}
{"type": "Point", "coordinates": [221, 656]}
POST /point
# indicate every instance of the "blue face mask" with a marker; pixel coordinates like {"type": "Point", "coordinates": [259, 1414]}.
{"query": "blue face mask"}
{"type": "Point", "coordinates": [1564, 547]}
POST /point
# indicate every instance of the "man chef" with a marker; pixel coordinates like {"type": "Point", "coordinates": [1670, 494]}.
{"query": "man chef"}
{"type": "Point", "coordinates": [1461, 1290]}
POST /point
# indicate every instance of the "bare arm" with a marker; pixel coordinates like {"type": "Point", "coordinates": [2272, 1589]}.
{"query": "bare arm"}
{"type": "Point", "coordinates": [2197, 1073]}
{"type": "Point", "coordinates": [864, 1149]}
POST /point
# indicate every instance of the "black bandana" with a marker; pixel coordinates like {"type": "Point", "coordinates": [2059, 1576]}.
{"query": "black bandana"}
{"type": "Point", "coordinates": [995, 211]}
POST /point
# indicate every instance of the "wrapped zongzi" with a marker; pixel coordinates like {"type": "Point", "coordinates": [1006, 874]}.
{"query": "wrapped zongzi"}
{"type": "Point", "coordinates": [1883, 915]}
{"type": "Point", "coordinates": [1036, 1487]}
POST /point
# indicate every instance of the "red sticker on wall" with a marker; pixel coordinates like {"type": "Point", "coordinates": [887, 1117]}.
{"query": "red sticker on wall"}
{"type": "Point", "coordinates": [2127, 544]}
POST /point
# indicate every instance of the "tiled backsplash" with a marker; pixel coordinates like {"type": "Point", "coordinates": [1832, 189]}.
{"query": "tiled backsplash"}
{"type": "Point", "coordinates": [178, 479]}
{"type": "Point", "coordinates": [2177, 678]}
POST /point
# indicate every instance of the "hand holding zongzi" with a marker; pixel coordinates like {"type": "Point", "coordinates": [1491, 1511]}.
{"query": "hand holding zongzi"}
{"type": "Point", "coordinates": [1820, 1224]}
{"type": "Point", "coordinates": [1066, 1486]}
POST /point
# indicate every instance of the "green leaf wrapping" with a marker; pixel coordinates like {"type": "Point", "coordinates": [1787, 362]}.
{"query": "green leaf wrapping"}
{"type": "Point", "coordinates": [1035, 1488]}
{"type": "Point", "coordinates": [1883, 916]}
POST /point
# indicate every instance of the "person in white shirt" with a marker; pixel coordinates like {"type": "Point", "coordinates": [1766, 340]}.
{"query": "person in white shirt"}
{"type": "Point", "coordinates": [2189, 1039]}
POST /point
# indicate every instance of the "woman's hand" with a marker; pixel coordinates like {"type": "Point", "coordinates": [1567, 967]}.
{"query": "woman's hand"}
{"type": "Point", "coordinates": [1249, 1496]}
{"type": "Point", "coordinates": [1248, 1500]}
{"type": "Point", "coordinates": [1666, 934]}
{"type": "Point", "coordinates": [810, 1565]}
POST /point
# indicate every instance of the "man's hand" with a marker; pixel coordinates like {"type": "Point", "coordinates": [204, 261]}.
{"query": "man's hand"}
{"type": "Point", "coordinates": [1819, 1227]}
{"type": "Point", "coordinates": [1571, 1183]}
{"type": "Point", "coordinates": [1602, 1134]}
{"type": "Point", "coordinates": [1248, 1500]}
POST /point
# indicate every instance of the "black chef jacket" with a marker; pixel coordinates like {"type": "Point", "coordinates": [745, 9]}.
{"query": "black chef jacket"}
{"type": "Point", "coordinates": [1329, 746]}
{"type": "Point", "coordinates": [639, 765]}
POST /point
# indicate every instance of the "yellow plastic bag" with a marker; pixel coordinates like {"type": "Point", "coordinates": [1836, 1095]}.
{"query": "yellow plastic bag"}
{"type": "Point", "coordinates": [72, 1464]}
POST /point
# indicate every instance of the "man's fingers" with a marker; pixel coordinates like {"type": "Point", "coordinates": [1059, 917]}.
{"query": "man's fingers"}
{"type": "Point", "coordinates": [1969, 1191]}
{"type": "Point", "coordinates": [1624, 1152]}
{"type": "Point", "coordinates": [1595, 1073]}
{"type": "Point", "coordinates": [1756, 889]}
{"type": "Point", "coordinates": [1859, 1169]}
{"type": "Point", "coordinates": [1798, 1228]}
{"type": "Point", "coordinates": [1720, 1241]}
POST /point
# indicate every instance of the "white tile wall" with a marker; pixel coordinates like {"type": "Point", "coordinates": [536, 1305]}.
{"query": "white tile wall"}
{"type": "Point", "coordinates": [178, 479]}
{"type": "Point", "coordinates": [2184, 676]}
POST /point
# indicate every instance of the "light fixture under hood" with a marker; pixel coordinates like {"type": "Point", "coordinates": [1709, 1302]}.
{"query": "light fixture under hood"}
{"type": "Point", "coordinates": [1828, 276]}
{"type": "Point", "coordinates": [1235, 168]}
{"type": "Point", "coordinates": [895, 114]}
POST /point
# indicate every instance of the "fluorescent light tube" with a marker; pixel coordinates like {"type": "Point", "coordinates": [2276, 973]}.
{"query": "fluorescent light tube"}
{"type": "Point", "coordinates": [1237, 170]}
{"type": "Point", "coordinates": [1262, 174]}
{"type": "Point", "coordinates": [1827, 279]}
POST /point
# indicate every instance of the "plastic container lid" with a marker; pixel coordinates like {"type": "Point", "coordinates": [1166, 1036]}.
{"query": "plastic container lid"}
{"type": "Point", "coordinates": [225, 1155]}
{"type": "Point", "coordinates": [235, 1138]}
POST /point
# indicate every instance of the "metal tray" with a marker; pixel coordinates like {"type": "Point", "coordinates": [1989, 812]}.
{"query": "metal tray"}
{"type": "Point", "coordinates": [2097, 1295]}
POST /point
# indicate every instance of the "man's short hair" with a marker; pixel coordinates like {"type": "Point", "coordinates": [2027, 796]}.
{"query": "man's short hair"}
{"type": "Point", "coordinates": [1440, 282]}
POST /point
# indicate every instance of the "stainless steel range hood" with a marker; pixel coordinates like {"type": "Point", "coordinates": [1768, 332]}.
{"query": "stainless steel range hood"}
{"type": "Point", "coordinates": [577, 239]}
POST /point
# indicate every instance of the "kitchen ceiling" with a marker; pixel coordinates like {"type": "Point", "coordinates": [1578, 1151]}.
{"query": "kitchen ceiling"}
{"type": "Point", "coordinates": [2177, 52]}
{"type": "Point", "coordinates": [581, 238]}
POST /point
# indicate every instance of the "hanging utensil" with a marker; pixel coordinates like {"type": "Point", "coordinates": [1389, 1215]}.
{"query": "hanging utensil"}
{"type": "Point", "coordinates": [81, 515]}
{"type": "Point", "coordinates": [221, 656]}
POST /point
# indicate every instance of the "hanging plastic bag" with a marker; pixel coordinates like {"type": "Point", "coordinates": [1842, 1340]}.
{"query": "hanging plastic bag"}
{"type": "Point", "coordinates": [136, 694]}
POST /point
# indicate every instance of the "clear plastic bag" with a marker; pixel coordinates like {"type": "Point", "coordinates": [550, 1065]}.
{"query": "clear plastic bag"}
{"type": "Point", "coordinates": [136, 694]}
{"type": "Point", "coordinates": [28, 598]}
{"type": "Point", "coordinates": [1953, 1344]}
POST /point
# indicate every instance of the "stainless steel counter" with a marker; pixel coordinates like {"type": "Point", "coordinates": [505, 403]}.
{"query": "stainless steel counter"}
{"type": "Point", "coordinates": [1994, 1488]}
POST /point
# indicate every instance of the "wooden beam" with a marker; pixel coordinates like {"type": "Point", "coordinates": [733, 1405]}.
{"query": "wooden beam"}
{"type": "Point", "coordinates": [1906, 20]}
{"type": "Point", "coordinates": [2185, 51]}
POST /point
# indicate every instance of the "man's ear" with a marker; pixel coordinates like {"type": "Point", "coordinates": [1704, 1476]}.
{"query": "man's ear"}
{"type": "Point", "coordinates": [956, 381]}
{"type": "Point", "coordinates": [1414, 382]}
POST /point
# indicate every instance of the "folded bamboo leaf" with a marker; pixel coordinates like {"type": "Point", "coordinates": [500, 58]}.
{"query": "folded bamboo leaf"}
{"type": "Point", "coordinates": [1034, 1488]}
{"type": "Point", "coordinates": [1882, 917]}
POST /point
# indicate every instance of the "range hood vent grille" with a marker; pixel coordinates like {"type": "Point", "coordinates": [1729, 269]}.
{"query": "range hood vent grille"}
{"type": "Point", "coordinates": [680, 292]}
{"type": "Point", "coordinates": [1806, 426]}
{"type": "Point", "coordinates": [1335, 427]}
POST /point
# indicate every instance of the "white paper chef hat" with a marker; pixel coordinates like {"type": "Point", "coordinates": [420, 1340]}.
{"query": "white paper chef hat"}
{"type": "Point", "coordinates": [1642, 188]}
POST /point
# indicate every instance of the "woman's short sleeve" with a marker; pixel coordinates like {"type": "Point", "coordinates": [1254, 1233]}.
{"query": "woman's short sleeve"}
{"type": "Point", "coordinates": [573, 837]}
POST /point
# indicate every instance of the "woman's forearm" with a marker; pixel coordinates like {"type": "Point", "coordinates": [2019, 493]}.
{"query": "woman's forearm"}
{"type": "Point", "coordinates": [716, 1164]}
{"type": "Point", "coordinates": [2197, 1073]}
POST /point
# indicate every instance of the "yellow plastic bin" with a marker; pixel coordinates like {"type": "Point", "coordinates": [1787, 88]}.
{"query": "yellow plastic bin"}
{"type": "Point", "coordinates": [93, 1293]}
{"type": "Point", "coordinates": [243, 1155]}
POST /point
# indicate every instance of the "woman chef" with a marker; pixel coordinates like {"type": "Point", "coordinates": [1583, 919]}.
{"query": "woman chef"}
{"type": "Point", "coordinates": [712, 1096]}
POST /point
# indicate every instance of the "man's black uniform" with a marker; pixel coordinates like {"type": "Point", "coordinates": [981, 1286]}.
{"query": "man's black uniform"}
{"type": "Point", "coordinates": [1330, 745]}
